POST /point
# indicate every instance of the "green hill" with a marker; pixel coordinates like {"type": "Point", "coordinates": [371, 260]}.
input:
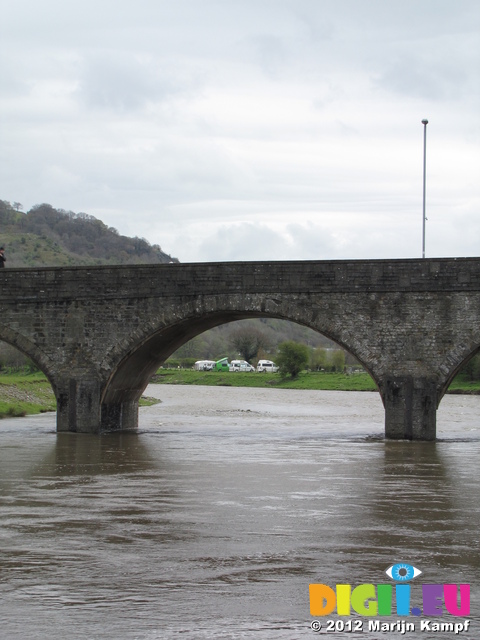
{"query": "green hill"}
{"type": "Point", "coordinates": [48, 237]}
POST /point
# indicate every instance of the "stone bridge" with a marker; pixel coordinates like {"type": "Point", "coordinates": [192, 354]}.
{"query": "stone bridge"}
{"type": "Point", "coordinates": [99, 333]}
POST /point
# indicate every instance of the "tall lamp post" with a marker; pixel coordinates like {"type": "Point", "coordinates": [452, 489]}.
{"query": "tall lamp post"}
{"type": "Point", "coordinates": [424, 122]}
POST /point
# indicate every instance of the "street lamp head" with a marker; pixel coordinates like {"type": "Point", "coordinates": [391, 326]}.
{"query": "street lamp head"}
{"type": "Point", "coordinates": [425, 121]}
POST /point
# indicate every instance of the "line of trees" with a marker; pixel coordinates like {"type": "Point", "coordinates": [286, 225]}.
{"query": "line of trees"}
{"type": "Point", "coordinates": [258, 340]}
{"type": "Point", "coordinates": [292, 356]}
{"type": "Point", "coordinates": [249, 340]}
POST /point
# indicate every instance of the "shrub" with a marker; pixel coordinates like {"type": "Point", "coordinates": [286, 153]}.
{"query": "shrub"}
{"type": "Point", "coordinates": [292, 358]}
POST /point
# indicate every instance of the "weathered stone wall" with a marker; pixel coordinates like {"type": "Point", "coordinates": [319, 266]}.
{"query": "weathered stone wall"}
{"type": "Point", "coordinates": [100, 332]}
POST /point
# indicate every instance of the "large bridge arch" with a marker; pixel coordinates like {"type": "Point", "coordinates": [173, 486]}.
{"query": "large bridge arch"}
{"type": "Point", "coordinates": [132, 368]}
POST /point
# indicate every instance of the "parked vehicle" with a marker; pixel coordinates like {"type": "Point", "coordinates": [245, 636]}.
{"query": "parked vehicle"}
{"type": "Point", "coordinates": [240, 365]}
{"type": "Point", "coordinates": [204, 365]}
{"type": "Point", "coordinates": [266, 366]}
{"type": "Point", "coordinates": [221, 365]}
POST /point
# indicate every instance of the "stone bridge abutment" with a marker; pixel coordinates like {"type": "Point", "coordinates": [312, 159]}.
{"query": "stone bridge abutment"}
{"type": "Point", "coordinates": [99, 333]}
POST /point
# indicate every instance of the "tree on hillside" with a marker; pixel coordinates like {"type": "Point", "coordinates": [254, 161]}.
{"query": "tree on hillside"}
{"type": "Point", "coordinates": [318, 359]}
{"type": "Point", "coordinates": [194, 348]}
{"type": "Point", "coordinates": [292, 358]}
{"type": "Point", "coordinates": [338, 360]}
{"type": "Point", "coordinates": [247, 341]}
{"type": "Point", "coordinates": [472, 368]}
{"type": "Point", "coordinates": [55, 237]}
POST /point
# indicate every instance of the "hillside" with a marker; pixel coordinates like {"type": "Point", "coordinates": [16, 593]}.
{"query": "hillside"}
{"type": "Point", "coordinates": [48, 237]}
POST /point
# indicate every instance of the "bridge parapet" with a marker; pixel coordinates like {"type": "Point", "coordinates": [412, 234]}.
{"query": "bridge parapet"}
{"type": "Point", "coordinates": [337, 276]}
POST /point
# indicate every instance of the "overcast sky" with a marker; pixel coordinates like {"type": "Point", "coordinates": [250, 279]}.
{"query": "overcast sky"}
{"type": "Point", "coordinates": [248, 129]}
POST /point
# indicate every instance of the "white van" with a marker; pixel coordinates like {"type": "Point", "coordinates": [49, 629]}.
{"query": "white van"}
{"type": "Point", "coordinates": [240, 365]}
{"type": "Point", "coordinates": [265, 366]}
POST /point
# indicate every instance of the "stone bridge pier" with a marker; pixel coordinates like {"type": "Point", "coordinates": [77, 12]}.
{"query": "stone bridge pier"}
{"type": "Point", "coordinates": [99, 333]}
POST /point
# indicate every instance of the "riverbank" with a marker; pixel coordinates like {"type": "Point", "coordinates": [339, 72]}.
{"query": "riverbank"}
{"type": "Point", "coordinates": [27, 394]}
{"type": "Point", "coordinates": [306, 380]}
{"type": "Point", "coordinates": [313, 380]}
{"type": "Point", "coordinates": [24, 394]}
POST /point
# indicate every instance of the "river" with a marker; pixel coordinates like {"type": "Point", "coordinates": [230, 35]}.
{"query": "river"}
{"type": "Point", "coordinates": [212, 521]}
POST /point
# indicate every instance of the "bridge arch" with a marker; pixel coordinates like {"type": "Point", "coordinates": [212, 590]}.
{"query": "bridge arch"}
{"type": "Point", "coordinates": [133, 365]}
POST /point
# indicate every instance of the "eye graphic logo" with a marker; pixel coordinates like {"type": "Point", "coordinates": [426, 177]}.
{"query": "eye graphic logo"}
{"type": "Point", "coordinates": [402, 572]}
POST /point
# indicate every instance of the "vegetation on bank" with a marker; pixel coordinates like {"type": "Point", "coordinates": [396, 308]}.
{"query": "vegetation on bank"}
{"type": "Point", "coordinates": [464, 384]}
{"type": "Point", "coordinates": [25, 393]}
{"type": "Point", "coordinates": [292, 358]}
{"type": "Point", "coordinates": [305, 380]}
{"type": "Point", "coordinates": [313, 380]}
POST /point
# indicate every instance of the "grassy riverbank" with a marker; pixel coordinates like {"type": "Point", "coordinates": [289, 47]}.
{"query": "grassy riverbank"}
{"type": "Point", "coordinates": [306, 380]}
{"type": "Point", "coordinates": [31, 393]}
{"type": "Point", "coordinates": [461, 384]}
{"type": "Point", "coordinates": [24, 394]}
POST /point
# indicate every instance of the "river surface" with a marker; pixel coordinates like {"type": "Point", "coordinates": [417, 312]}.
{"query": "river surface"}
{"type": "Point", "coordinates": [212, 521]}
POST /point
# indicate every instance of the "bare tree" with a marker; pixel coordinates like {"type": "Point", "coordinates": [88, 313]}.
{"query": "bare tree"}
{"type": "Point", "coordinates": [248, 340]}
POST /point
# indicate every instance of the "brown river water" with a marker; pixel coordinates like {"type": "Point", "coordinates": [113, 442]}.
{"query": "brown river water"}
{"type": "Point", "coordinates": [213, 520]}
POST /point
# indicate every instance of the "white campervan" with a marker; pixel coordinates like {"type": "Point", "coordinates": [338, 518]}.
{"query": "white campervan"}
{"type": "Point", "coordinates": [265, 366]}
{"type": "Point", "coordinates": [240, 365]}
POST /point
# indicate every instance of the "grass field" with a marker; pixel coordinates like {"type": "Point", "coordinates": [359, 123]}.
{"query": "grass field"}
{"type": "Point", "coordinates": [306, 380]}
{"type": "Point", "coordinates": [22, 394]}
{"type": "Point", "coordinates": [461, 384]}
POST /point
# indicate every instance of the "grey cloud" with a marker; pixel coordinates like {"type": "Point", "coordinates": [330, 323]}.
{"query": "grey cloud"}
{"type": "Point", "coordinates": [244, 241]}
{"type": "Point", "coordinates": [429, 76]}
{"type": "Point", "coordinates": [313, 241]}
{"type": "Point", "coordinates": [270, 53]}
{"type": "Point", "coordinates": [11, 80]}
{"type": "Point", "coordinates": [252, 241]}
{"type": "Point", "coordinates": [123, 82]}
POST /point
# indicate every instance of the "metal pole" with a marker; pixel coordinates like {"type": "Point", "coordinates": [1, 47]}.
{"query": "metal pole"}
{"type": "Point", "coordinates": [424, 122]}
